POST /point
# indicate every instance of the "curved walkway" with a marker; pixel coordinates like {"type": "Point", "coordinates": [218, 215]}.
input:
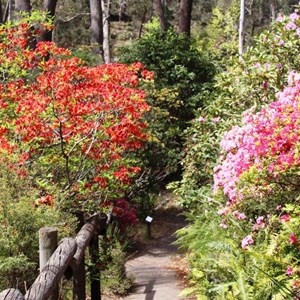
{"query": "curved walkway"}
{"type": "Point", "coordinates": [151, 263]}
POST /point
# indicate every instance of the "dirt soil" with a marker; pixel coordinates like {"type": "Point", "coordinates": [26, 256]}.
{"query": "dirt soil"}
{"type": "Point", "coordinates": [156, 263]}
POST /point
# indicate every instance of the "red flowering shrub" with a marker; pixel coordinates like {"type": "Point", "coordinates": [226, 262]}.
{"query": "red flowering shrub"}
{"type": "Point", "coordinates": [71, 128]}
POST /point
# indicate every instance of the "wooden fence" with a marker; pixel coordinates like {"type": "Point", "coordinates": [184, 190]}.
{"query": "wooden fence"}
{"type": "Point", "coordinates": [66, 260]}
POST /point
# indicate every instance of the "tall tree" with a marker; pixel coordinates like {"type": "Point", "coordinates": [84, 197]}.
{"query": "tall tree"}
{"type": "Point", "coordinates": [159, 11]}
{"type": "Point", "coordinates": [106, 30]}
{"type": "Point", "coordinates": [49, 6]}
{"type": "Point", "coordinates": [96, 26]}
{"type": "Point", "coordinates": [241, 28]}
{"type": "Point", "coordinates": [185, 16]}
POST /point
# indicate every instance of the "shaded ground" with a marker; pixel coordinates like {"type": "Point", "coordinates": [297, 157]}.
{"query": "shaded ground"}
{"type": "Point", "coordinates": [152, 263]}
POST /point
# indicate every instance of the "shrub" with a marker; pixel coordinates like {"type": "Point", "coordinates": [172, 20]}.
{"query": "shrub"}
{"type": "Point", "coordinates": [180, 70]}
{"type": "Point", "coordinates": [252, 82]}
{"type": "Point", "coordinates": [257, 180]}
{"type": "Point", "coordinates": [20, 221]}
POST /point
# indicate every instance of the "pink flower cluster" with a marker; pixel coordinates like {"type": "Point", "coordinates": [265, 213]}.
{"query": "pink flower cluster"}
{"type": "Point", "coordinates": [292, 22]}
{"type": "Point", "coordinates": [247, 241]}
{"type": "Point", "coordinates": [267, 140]}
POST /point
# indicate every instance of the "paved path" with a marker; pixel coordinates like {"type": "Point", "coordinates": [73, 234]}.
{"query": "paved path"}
{"type": "Point", "coordinates": [150, 265]}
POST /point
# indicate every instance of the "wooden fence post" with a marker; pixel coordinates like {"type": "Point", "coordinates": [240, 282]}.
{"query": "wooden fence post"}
{"type": "Point", "coordinates": [11, 294]}
{"type": "Point", "coordinates": [83, 239]}
{"type": "Point", "coordinates": [53, 271]}
{"type": "Point", "coordinates": [95, 271]}
{"type": "Point", "coordinates": [79, 289]}
{"type": "Point", "coordinates": [47, 246]}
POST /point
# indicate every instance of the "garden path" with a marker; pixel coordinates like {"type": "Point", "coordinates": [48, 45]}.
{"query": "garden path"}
{"type": "Point", "coordinates": [152, 264]}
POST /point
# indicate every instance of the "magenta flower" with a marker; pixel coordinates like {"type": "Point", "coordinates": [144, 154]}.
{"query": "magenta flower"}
{"type": "Point", "coordinates": [202, 119]}
{"type": "Point", "coordinates": [280, 18]}
{"type": "Point", "coordinates": [295, 284]}
{"type": "Point", "coordinates": [289, 271]}
{"type": "Point", "coordinates": [293, 239]}
{"type": "Point", "coordinates": [260, 224]}
{"type": "Point", "coordinates": [294, 16]}
{"type": "Point", "coordinates": [285, 218]}
{"type": "Point", "coordinates": [216, 120]}
{"type": "Point", "coordinates": [238, 215]}
{"type": "Point", "coordinates": [290, 26]}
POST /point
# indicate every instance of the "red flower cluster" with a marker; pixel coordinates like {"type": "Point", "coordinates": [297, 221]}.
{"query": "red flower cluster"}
{"type": "Point", "coordinates": [76, 122]}
{"type": "Point", "coordinates": [125, 215]}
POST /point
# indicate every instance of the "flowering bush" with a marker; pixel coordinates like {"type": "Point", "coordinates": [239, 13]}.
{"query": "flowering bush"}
{"type": "Point", "coordinates": [256, 181]}
{"type": "Point", "coordinates": [259, 177]}
{"type": "Point", "coordinates": [69, 127]}
{"type": "Point", "coordinates": [252, 82]}
{"type": "Point", "coordinates": [260, 154]}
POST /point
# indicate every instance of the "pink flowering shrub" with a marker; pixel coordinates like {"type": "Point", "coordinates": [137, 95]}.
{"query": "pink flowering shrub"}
{"type": "Point", "coordinates": [264, 149]}
{"type": "Point", "coordinates": [258, 176]}
{"type": "Point", "coordinates": [256, 182]}
{"type": "Point", "coordinates": [253, 82]}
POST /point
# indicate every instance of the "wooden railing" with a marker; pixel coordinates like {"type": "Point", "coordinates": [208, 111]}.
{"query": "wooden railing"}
{"type": "Point", "coordinates": [66, 261]}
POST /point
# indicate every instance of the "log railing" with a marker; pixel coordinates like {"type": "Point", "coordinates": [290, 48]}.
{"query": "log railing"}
{"type": "Point", "coordinates": [68, 260]}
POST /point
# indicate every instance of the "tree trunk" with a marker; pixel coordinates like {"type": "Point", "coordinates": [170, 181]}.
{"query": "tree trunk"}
{"type": "Point", "coordinates": [49, 6]}
{"type": "Point", "coordinates": [96, 26]}
{"type": "Point", "coordinates": [122, 9]}
{"type": "Point", "coordinates": [159, 11]}
{"type": "Point", "coordinates": [22, 5]}
{"type": "Point", "coordinates": [273, 12]}
{"type": "Point", "coordinates": [185, 15]}
{"type": "Point", "coordinates": [241, 28]}
{"type": "Point", "coordinates": [106, 31]}
{"type": "Point", "coordinates": [1, 12]}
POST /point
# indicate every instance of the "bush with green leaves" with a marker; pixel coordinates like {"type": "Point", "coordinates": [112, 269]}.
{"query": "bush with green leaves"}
{"type": "Point", "coordinates": [250, 82]}
{"type": "Point", "coordinates": [269, 268]}
{"type": "Point", "coordinates": [21, 217]}
{"type": "Point", "coordinates": [180, 71]}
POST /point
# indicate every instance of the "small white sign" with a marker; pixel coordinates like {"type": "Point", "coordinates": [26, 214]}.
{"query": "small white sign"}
{"type": "Point", "coordinates": [149, 219]}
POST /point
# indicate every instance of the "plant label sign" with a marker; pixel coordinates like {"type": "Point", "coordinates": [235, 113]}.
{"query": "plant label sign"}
{"type": "Point", "coordinates": [149, 219]}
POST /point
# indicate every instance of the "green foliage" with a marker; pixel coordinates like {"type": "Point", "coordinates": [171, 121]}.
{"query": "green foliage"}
{"type": "Point", "coordinates": [180, 72]}
{"type": "Point", "coordinates": [20, 221]}
{"type": "Point", "coordinates": [220, 36]}
{"type": "Point", "coordinates": [112, 263]}
{"type": "Point", "coordinates": [173, 58]}
{"type": "Point", "coordinates": [220, 269]}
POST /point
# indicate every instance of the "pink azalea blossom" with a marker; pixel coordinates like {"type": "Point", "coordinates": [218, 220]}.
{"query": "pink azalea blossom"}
{"type": "Point", "coordinates": [294, 16]}
{"type": "Point", "coordinates": [280, 18]}
{"type": "Point", "coordinates": [202, 119]}
{"type": "Point", "coordinates": [272, 133]}
{"type": "Point", "coordinates": [238, 215]}
{"type": "Point", "coordinates": [248, 240]}
{"type": "Point", "coordinates": [289, 271]}
{"type": "Point", "coordinates": [295, 284]}
{"type": "Point", "coordinates": [260, 224]}
{"type": "Point", "coordinates": [290, 26]}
